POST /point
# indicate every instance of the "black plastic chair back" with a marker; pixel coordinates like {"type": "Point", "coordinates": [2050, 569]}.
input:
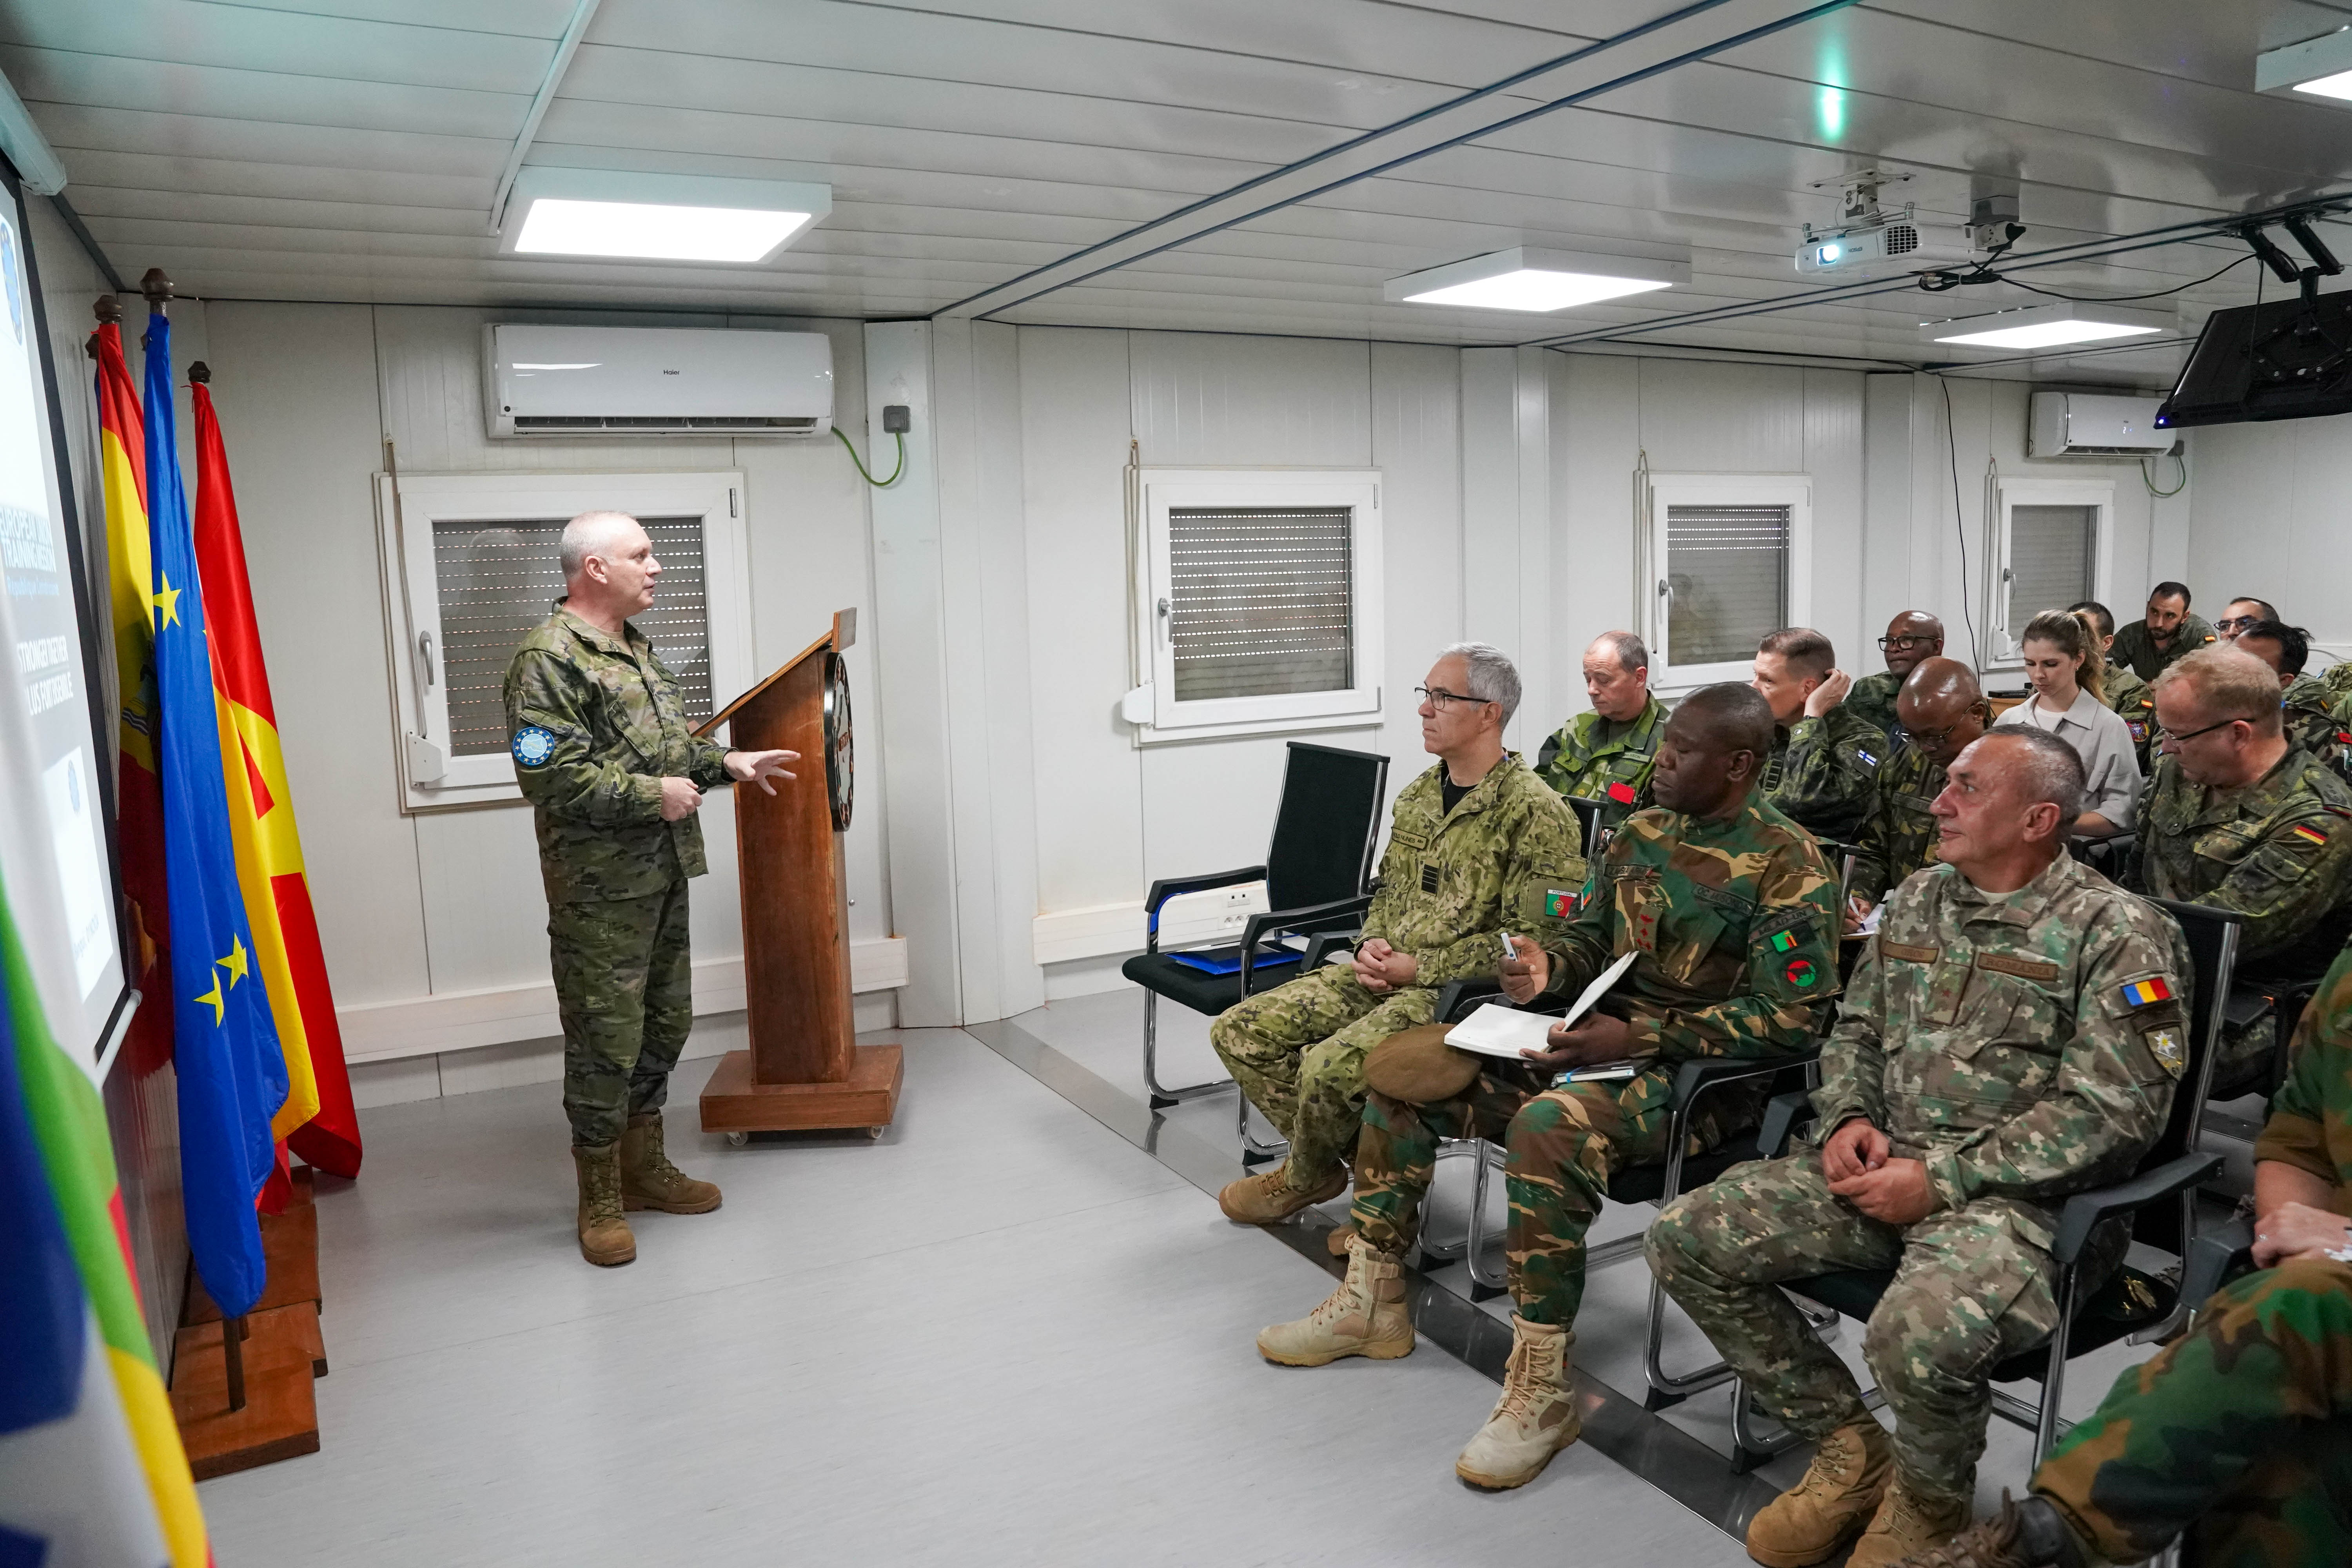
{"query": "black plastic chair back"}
{"type": "Point", "coordinates": [1326, 827]}
{"type": "Point", "coordinates": [1587, 820]}
{"type": "Point", "coordinates": [2212, 956]}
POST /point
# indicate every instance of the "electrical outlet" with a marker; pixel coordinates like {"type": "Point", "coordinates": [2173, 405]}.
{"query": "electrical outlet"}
{"type": "Point", "coordinates": [896, 419]}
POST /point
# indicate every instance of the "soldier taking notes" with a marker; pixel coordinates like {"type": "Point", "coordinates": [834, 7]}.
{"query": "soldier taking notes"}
{"type": "Point", "coordinates": [614, 778]}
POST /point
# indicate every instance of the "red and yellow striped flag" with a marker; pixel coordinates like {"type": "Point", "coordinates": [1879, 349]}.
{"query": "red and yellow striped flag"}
{"type": "Point", "coordinates": [318, 1120]}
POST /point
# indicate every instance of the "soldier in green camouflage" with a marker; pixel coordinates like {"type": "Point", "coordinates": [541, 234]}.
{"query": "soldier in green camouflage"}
{"type": "Point", "coordinates": [2304, 706]}
{"type": "Point", "coordinates": [2238, 818]}
{"type": "Point", "coordinates": [604, 754]}
{"type": "Point", "coordinates": [2011, 1035]}
{"type": "Point", "coordinates": [1823, 755]}
{"type": "Point", "coordinates": [1942, 710]}
{"type": "Point", "coordinates": [2166, 634]}
{"type": "Point", "coordinates": [1606, 755]}
{"type": "Point", "coordinates": [1477, 845]}
{"type": "Point", "coordinates": [2337, 679]}
{"type": "Point", "coordinates": [1732, 912]}
{"type": "Point", "coordinates": [2122, 690]}
{"type": "Point", "coordinates": [2236, 1440]}
{"type": "Point", "coordinates": [1911, 637]}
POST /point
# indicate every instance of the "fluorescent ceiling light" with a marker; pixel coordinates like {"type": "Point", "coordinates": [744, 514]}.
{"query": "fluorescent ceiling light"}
{"type": "Point", "coordinates": [2045, 326]}
{"type": "Point", "coordinates": [1525, 278]}
{"type": "Point", "coordinates": [2321, 66]}
{"type": "Point", "coordinates": [655, 217]}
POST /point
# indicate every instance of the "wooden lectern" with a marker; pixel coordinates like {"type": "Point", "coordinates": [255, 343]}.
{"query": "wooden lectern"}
{"type": "Point", "coordinates": [804, 1069]}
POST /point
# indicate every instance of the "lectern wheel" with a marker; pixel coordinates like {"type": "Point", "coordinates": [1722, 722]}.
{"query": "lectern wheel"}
{"type": "Point", "coordinates": [874, 1132]}
{"type": "Point", "coordinates": [738, 1140]}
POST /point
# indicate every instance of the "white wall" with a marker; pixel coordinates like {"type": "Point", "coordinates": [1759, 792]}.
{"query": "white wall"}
{"type": "Point", "coordinates": [2273, 517]}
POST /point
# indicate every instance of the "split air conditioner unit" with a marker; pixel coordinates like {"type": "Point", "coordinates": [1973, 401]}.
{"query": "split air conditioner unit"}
{"type": "Point", "coordinates": [2087, 425]}
{"type": "Point", "coordinates": [655, 381]}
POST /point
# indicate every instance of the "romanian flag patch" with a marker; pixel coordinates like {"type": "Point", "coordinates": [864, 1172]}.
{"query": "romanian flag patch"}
{"type": "Point", "coordinates": [2308, 834]}
{"type": "Point", "coordinates": [1784, 941]}
{"type": "Point", "coordinates": [2146, 992]}
{"type": "Point", "coordinates": [1622, 793]}
{"type": "Point", "coordinates": [1559, 905]}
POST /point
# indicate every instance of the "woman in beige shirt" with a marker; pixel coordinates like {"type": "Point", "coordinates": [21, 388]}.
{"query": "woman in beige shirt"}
{"type": "Point", "coordinates": [2063, 663]}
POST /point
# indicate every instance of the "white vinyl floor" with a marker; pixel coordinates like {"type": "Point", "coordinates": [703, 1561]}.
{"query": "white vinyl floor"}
{"type": "Point", "coordinates": [1004, 1334]}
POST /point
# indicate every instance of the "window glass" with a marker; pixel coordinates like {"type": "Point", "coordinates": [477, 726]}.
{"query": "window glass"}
{"type": "Point", "coordinates": [2049, 559]}
{"type": "Point", "coordinates": [1260, 601]}
{"type": "Point", "coordinates": [1728, 580]}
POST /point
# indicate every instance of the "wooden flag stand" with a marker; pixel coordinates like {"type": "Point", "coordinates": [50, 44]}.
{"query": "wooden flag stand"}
{"type": "Point", "coordinates": [242, 1390]}
{"type": "Point", "coordinates": [805, 1070]}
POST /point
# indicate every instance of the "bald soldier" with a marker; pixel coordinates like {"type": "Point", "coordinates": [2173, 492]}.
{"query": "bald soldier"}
{"type": "Point", "coordinates": [614, 778]}
{"type": "Point", "coordinates": [2011, 1036]}
{"type": "Point", "coordinates": [1911, 637]}
{"type": "Point", "coordinates": [1731, 911]}
{"type": "Point", "coordinates": [1942, 710]}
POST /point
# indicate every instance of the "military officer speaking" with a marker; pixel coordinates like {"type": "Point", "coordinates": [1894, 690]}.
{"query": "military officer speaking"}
{"type": "Point", "coordinates": [603, 751]}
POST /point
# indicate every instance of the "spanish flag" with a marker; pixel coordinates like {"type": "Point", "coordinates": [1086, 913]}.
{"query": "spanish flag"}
{"type": "Point", "coordinates": [318, 1120]}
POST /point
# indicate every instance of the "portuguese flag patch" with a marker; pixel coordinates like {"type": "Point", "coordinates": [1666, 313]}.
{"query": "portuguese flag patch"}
{"type": "Point", "coordinates": [1559, 905]}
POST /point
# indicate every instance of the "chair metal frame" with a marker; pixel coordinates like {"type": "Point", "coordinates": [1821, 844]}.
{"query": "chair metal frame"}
{"type": "Point", "coordinates": [2080, 1218]}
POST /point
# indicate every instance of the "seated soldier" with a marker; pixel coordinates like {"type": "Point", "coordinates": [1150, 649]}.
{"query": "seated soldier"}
{"type": "Point", "coordinates": [1732, 910]}
{"type": "Point", "coordinates": [1822, 755]}
{"type": "Point", "coordinates": [2305, 707]}
{"type": "Point", "coordinates": [2011, 1036]}
{"type": "Point", "coordinates": [1606, 755]}
{"type": "Point", "coordinates": [2238, 615]}
{"type": "Point", "coordinates": [1913, 636]}
{"type": "Point", "coordinates": [2236, 818]}
{"type": "Point", "coordinates": [2237, 1439]}
{"type": "Point", "coordinates": [2120, 688]}
{"type": "Point", "coordinates": [2166, 635]}
{"type": "Point", "coordinates": [1943, 710]}
{"type": "Point", "coordinates": [1477, 845]}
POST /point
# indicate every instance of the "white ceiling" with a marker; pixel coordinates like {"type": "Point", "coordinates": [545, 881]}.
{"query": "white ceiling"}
{"type": "Point", "coordinates": [350, 149]}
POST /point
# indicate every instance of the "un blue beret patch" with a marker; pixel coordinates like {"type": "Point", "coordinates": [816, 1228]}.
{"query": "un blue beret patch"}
{"type": "Point", "coordinates": [533, 746]}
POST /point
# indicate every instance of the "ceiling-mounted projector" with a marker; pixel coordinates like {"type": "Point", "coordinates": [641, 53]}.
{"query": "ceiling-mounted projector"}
{"type": "Point", "coordinates": [1874, 241]}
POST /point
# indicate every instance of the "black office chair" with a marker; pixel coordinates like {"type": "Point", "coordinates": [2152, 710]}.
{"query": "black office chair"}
{"type": "Point", "coordinates": [1591, 822]}
{"type": "Point", "coordinates": [1317, 875]}
{"type": "Point", "coordinates": [2159, 1197]}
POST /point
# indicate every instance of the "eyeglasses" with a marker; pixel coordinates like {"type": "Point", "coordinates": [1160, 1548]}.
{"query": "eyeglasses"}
{"type": "Point", "coordinates": [1904, 644]}
{"type": "Point", "coordinates": [2235, 623]}
{"type": "Point", "coordinates": [1933, 739]}
{"type": "Point", "coordinates": [2174, 740]}
{"type": "Point", "coordinates": [1438, 696]}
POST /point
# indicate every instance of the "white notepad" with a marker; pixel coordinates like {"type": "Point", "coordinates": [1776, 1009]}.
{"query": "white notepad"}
{"type": "Point", "coordinates": [1494, 1031]}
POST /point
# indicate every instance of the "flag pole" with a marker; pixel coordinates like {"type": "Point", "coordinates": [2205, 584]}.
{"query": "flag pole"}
{"type": "Point", "coordinates": [157, 286]}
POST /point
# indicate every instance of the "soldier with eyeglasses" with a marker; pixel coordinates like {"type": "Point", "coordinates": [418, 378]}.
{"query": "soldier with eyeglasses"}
{"type": "Point", "coordinates": [1911, 637]}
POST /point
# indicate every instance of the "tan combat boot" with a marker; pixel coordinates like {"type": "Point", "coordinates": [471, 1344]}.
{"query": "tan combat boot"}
{"type": "Point", "coordinates": [648, 1181]}
{"type": "Point", "coordinates": [1365, 1316]}
{"type": "Point", "coordinates": [1907, 1525]}
{"type": "Point", "coordinates": [1808, 1523]}
{"type": "Point", "coordinates": [604, 1237]}
{"type": "Point", "coordinates": [1264, 1198]}
{"type": "Point", "coordinates": [1335, 1243]}
{"type": "Point", "coordinates": [1536, 1417]}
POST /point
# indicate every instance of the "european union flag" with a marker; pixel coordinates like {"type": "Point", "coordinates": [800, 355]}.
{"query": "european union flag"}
{"type": "Point", "coordinates": [232, 1073]}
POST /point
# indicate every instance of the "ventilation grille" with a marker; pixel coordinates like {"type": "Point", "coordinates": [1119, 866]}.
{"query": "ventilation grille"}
{"type": "Point", "coordinates": [1260, 601]}
{"type": "Point", "coordinates": [1727, 573]}
{"type": "Point", "coordinates": [656, 424]}
{"type": "Point", "coordinates": [1902, 238]}
{"type": "Point", "coordinates": [497, 580]}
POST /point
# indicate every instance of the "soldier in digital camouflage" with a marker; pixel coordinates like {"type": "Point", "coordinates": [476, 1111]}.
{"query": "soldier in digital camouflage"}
{"type": "Point", "coordinates": [2121, 689]}
{"type": "Point", "coordinates": [1732, 912]}
{"type": "Point", "coordinates": [1607, 754]}
{"type": "Point", "coordinates": [1942, 710]}
{"type": "Point", "coordinates": [1477, 846]}
{"type": "Point", "coordinates": [2236, 1440]}
{"type": "Point", "coordinates": [1825, 754]}
{"type": "Point", "coordinates": [2306, 709]}
{"type": "Point", "coordinates": [2011, 1035]}
{"type": "Point", "coordinates": [2238, 818]}
{"type": "Point", "coordinates": [604, 752]}
{"type": "Point", "coordinates": [1911, 637]}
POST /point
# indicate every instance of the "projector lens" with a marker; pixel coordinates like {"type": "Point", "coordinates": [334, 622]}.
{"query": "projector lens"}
{"type": "Point", "coordinates": [1831, 252]}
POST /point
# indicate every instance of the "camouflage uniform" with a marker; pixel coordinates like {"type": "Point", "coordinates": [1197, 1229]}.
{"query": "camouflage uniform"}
{"type": "Point", "coordinates": [1508, 857]}
{"type": "Point", "coordinates": [1598, 758]}
{"type": "Point", "coordinates": [597, 725]}
{"type": "Point", "coordinates": [2135, 704]}
{"type": "Point", "coordinates": [1819, 771]}
{"type": "Point", "coordinates": [1737, 925]}
{"type": "Point", "coordinates": [1899, 834]}
{"type": "Point", "coordinates": [2135, 644]}
{"type": "Point", "coordinates": [2337, 679]}
{"type": "Point", "coordinates": [2241, 1433]}
{"type": "Point", "coordinates": [1998, 1038]}
{"type": "Point", "coordinates": [2312, 723]}
{"type": "Point", "coordinates": [1872, 699]}
{"type": "Point", "coordinates": [2278, 851]}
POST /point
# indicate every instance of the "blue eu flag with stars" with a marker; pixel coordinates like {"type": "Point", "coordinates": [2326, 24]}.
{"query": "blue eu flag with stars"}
{"type": "Point", "coordinates": [232, 1072]}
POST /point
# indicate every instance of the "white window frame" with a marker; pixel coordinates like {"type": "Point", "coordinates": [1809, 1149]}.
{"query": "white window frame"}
{"type": "Point", "coordinates": [2009, 494]}
{"type": "Point", "coordinates": [1152, 707]}
{"type": "Point", "coordinates": [1661, 491]}
{"type": "Point", "coordinates": [430, 777]}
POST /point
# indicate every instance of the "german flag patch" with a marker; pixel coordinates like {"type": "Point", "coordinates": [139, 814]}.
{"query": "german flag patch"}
{"type": "Point", "coordinates": [2308, 834]}
{"type": "Point", "coordinates": [2146, 992]}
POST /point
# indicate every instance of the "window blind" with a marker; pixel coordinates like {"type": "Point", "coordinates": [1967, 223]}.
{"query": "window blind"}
{"type": "Point", "coordinates": [1727, 577]}
{"type": "Point", "coordinates": [1260, 601]}
{"type": "Point", "coordinates": [2049, 560]}
{"type": "Point", "coordinates": [497, 580]}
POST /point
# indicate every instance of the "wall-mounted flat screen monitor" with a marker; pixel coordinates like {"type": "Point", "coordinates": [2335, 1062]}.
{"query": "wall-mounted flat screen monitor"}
{"type": "Point", "coordinates": [2284, 359]}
